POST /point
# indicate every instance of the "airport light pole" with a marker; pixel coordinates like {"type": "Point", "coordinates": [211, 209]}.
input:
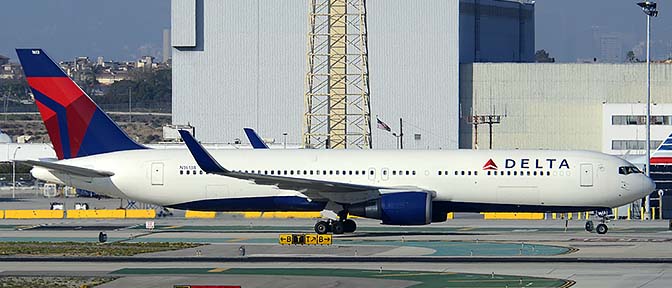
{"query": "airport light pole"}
{"type": "Point", "coordinates": [14, 172]}
{"type": "Point", "coordinates": [650, 9]}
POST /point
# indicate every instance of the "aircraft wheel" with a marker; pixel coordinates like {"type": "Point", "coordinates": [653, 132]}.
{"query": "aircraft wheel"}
{"type": "Point", "coordinates": [602, 228]}
{"type": "Point", "coordinates": [321, 227]}
{"type": "Point", "coordinates": [337, 227]}
{"type": "Point", "coordinates": [590, 226]}
{"type": "Point", "coordinates": [349, 226]}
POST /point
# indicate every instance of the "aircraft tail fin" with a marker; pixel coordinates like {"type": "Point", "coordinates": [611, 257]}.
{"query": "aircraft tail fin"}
{"type": "Point", "coordinates": [255, 140]}
{"type": "Point", "coordinates": [663, 154]}
{"type": "Point", "coordinates": [77, 127]}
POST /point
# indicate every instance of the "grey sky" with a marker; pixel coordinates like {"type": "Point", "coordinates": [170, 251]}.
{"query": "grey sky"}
{"type": "Point", "coordinates": [115, 29]}
{"type": "Point", "coordinates": [127, 29]}
{"type": "Point", "coordinates": [570, 29]}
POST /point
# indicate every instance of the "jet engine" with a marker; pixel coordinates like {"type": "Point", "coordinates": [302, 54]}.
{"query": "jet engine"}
{"type": "Point", "coordinates": [398, 208]}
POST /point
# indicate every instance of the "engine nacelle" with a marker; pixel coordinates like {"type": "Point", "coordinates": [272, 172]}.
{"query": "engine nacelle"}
{"type": "Point", "coordinates": [401, 208]}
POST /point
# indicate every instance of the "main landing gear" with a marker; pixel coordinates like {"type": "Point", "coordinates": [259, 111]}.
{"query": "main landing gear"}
{"type": "Point", "coordinates": [340, 226]}
{"type": "Point", "coordinates": [602, 227]}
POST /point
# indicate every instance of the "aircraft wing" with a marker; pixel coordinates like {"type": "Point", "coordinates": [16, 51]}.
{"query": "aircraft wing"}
{"type": "Point", "coordinates": [314, 189]}
{"type": "Point", "coordinates": [74, 170]}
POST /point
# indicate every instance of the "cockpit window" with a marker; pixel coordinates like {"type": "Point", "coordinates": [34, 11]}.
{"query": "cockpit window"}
{"type": "Point", "coordinates": [625, 170]}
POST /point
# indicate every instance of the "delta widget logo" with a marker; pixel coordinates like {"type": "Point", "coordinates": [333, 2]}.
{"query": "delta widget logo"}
{"type": "Point", "coordinates": [490, 165]}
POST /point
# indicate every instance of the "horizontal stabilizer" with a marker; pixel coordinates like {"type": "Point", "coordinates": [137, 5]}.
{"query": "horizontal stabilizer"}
{"type": "Point", "coordinates": [74, 170]}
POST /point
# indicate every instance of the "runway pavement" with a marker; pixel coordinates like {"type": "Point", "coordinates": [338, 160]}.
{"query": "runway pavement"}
{"type": "Point", "coordinates": [565, 255]}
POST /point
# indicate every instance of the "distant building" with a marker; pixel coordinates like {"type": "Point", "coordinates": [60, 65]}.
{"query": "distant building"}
{"type": "Point", "coordinates": [107, 77]}
{"type": "Point", "coordinates": [146, 62]}
{"type": "Point", "coordinates": [11, 71]}
{"type": "Point", "coordinates": [166, 46]}
{"type": "Point", "coordinates": [611, 49]}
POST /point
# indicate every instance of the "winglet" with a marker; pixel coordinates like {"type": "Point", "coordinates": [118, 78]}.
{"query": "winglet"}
{"type": "Point", "coordinates": [202, 157]}
{"type": "Point", "coordinates": [255, 140]}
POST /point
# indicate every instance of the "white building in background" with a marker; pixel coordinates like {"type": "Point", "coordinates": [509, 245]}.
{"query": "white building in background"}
{"type": "Point", "coordinates": [624, 127]}
{"type": "Point", "coordinates": [242, 63]}
{"type": "Point", "coordinates": [560, 106]}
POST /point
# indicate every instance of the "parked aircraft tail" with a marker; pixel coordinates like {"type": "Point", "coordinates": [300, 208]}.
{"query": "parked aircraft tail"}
{"type": "Point", "coordinates": [663, 154]}
{"type": "Point", "coordinates": [77, 127]}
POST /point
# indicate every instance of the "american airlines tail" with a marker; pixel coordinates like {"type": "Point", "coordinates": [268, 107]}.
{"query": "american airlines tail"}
{"type": "Point", "coordinates": [663, 155]}
{"type": "Point", "coordinates": [77, 127]}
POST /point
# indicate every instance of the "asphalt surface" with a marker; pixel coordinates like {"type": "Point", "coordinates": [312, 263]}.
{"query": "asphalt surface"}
{"type": "Point", "coordinates": [457, 253]}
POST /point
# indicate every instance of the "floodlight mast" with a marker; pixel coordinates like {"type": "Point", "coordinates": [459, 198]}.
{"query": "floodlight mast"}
{"type": "Point", "coordinates": [650, 9]}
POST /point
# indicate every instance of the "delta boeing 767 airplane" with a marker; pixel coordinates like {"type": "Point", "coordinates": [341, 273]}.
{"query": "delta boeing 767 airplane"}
{"type": "Point", "coordinates": [399, 187]}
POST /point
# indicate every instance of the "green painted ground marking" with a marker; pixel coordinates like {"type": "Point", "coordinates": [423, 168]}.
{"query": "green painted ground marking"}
{"type": "Point", "coordinates": [471, 248]}
{"type": "Point", "coordinates": [93, 238]}
{"type": "Point", "coordinates": [425, 279]}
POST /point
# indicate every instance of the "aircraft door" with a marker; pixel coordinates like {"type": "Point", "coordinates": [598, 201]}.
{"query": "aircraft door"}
{"type": "Point", "coordinates": [586, 175]}
{"type": "Point", "coordinates": [157, 173]}
{"type": "Point", "coordinates": [384, 174]}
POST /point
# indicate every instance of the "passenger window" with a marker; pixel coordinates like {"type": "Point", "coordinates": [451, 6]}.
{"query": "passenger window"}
{"type": "Point", "coordinates": [371, 172]}
{"type": "Point", "coordinates": [548, 173]}
{"type": "Point", "coordinates": [394, 172]}
{"type": "Point", "coordinates": [413, 172]}
{"type": "Point", "coordinates": [271, 172]}
{"type": "Point", "coordinates": [187, 172]}
{"type": "Point", "coordinates": [515, 173]}
{"type": "Point", "coordinates": [488, 173]}
{"type": "Point", "coordinates": [384, 172]}
{"type": "Point", "coordinates": [181, 172]}
{"type": "Point", "coordinates": [311, 172]}
{"type": "Point", "coordinates": [476, 173]}
{"type": "Point", "coordinates": [336, 172]}
{"type": "Point", "coordinates": [462, 173]}
{"type": "Point", "coordinates": [439, 173]}
{"type": "Point", "coordinates": [201, 172]}
{"type": "Point", "coordinates": [508, 173]}
{"type": "Point", "coordinates": [350, 172]}
{"type": "Point", "coordinates": [469, 173]}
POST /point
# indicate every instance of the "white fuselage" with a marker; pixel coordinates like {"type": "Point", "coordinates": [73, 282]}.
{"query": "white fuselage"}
{"type": "Point", "coordinates": [534, 178]}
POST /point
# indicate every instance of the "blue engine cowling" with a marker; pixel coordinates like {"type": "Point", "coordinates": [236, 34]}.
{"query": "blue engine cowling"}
{"type": "Point", "coordinates": [401, 208]}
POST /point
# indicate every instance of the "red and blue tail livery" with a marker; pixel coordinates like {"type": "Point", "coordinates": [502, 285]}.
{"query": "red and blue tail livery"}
{"type": "Point", "coordinates": [663, 155]}
{"type": "Point", "coordinates": [77, 127]}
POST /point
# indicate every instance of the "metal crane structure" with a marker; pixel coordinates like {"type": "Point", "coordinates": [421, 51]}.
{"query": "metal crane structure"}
{"type": "Point", "coordinates": [337, 112]}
